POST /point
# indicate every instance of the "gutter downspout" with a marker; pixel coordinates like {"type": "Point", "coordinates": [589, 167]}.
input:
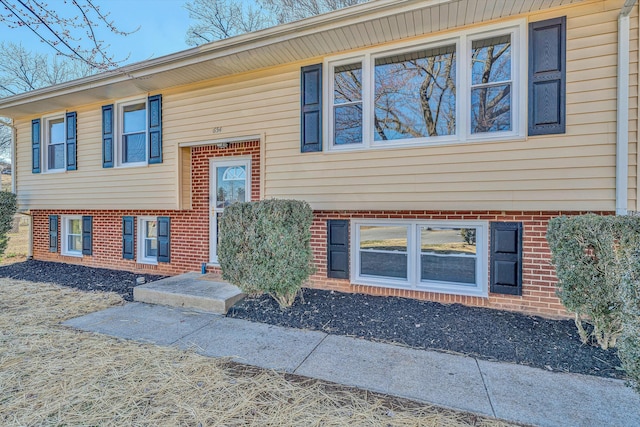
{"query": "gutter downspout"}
{"type": "Point", "coordinates": [14, 146]}
{"type": "Point", "coordinates": [622, 119]}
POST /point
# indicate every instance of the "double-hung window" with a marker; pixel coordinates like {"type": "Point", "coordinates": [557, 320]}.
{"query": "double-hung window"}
{"type": "Point", "coordinates": [132, 132]}
{"type": "Point", "coordinates": [347, 104]}
{"type": "Point", "coordinates": [447, 257]}
{"type": "Point", "coordinates": [54, 139]}
{"type": "Point", "coordinates": [461, 88]}
{"type": "Point", "coordinates": [132, 144]}
{"type": "Point", "coordinates": [53, 143]}
{"type": "Point", "coordinates": [491, 108]}
{"type": "Point", "coordinates": [72, 235]}
{"type": "Point", "coordinates": [148, 240]}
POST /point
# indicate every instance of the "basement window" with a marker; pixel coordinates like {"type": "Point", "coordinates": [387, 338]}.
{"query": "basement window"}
{"type": "Point", "coordinates": [445, 257]}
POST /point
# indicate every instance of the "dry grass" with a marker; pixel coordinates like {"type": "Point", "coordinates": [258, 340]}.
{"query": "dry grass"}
{"type": "Point", "coordinates": [52, 375]}
{"type": "Point", "coordinates": [18, 242]}
{"type": "Point", "coordinates": [18, 246]}
{"type": "Point", "coordinates": [5, 182]}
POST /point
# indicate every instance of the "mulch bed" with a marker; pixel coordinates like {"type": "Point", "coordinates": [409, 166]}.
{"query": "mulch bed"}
{"type": "Point", "coordinates": [77, 276]}
{"type": "Point", "coordinates": [487, 334]}
{"type": "Point", "coordinates": [484, 333]}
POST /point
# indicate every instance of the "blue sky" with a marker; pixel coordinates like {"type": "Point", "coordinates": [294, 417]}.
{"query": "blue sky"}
{"type": "Point", "coordinates": [163, 27]}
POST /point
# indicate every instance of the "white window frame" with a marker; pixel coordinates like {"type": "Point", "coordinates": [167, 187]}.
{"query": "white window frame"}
{"type": "Point", "coordinates": [141, 258]}
{"type": "Point", "coordinates": [413, 281]}
{"type": "Point", "coordinates": [65, 235]}
{"type": "Point", "coordinates": [213, 210]}
{"type": "Point", "coordinates": [44, 161]}
{"type": "Point", "coordinates": [119, 127]}
{"type": "Point", "coordinates": [463, 41]}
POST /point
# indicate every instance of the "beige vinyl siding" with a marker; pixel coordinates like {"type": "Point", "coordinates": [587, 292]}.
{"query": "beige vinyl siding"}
{"type": "Point", "coordinates": [248, 105]}
{"type": "Point", "coordinates": [92, 186]}
{"type": "Point", "coordinates": [575, 171]}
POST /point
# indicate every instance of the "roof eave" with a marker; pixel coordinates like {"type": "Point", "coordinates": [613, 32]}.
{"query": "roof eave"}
{"type": "Point", "coordinates": [216, 49]}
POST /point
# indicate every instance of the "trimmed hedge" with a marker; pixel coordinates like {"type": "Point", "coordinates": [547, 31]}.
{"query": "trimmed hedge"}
{"type": "Point", "coordinates": [584, 252]}
{"type": "Point", "coordinates": [629, 287]}
{"type": "Point", "coordinates": [265, 246]}
{"type": "Point", "coordinates": [8, 208]}
{"type": "Point", "coordinates": [629, 345]}
{"type": "Point", "coordinates": [597, 260]}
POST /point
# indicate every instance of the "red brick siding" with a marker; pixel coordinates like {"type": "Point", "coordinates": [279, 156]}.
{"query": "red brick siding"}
{"type": "Point", "coordinates": [189, 228]}
{"type": "Point", "coordinates": [538, 275]}
{"type": "Point", "coordinates": [190, 240]}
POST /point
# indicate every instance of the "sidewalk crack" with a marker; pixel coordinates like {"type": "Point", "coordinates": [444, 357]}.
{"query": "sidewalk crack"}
{"type": "Point", "coordinates": [486, 390]}
{"type": "Point", "coordinates": [310, 353]}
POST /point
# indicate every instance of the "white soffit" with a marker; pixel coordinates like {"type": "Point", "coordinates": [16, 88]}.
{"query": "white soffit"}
{"type": "Point", "coordinates": [368, 24]}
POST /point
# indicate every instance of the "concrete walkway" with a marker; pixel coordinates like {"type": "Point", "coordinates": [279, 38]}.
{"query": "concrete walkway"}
{"type": "Point", "coordinates": [507, 391]}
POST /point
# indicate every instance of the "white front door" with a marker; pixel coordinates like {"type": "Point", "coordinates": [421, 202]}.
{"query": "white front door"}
{"type": "Point", "coordinates": [230, 183]}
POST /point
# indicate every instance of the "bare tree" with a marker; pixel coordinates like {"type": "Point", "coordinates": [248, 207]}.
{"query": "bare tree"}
{"type": "Point", "coordinates": [293, 10]}
{"type": "Point", "coordinates": [491, 72]}
{"type": "Point", "coordinates": [69, 28]}
{"type": "Point", "coordinates": [221, 19]}
{"type": "Point", "coordinates": [22, 71]}
{"type": "Point", "coordinates": [5, 140]}
{"type": "Point", "coordinates": [415, 95]}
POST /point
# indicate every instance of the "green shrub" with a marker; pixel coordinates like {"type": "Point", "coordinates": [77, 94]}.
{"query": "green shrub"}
{"type": "Point", "coordinates": [586, 259]}
{"type": "Point", "coordinates": [629, 344]}
{"type": "Point", "coordinates": [7, 211]}
{"type": "Point", "coordinates": [597, 261]}
{"type": "Point", "coordinates": [265, 246]}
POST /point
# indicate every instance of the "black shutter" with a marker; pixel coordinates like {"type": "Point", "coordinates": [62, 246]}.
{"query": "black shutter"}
{"type": "Point", "coordinates": [87, 235]}
{"type": "Point", "coordinates": [107, 136]}
{"type": "Point", "coordinates": [164, 239]}
{"type": "Point", "coordinates": [506, 258]}
{"type": "Point", "coordinates": [72, 122]}
{"type": "Point", "coordinates": [128, 250]}
{"type": "Point", "coordinates": [155, 129]}
{"type": "Point", "coordinates": [35, 146]}
{"type": "Point", "coordinates": [311, 108]}
{"type": "Point", "coordinates": [338, 248]}
{"type": "Point", "coordinates": [547, 76]}
{"type": "Point", "coordinates": [53, 233]}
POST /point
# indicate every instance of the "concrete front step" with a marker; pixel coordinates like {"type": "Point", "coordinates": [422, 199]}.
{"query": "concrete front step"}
{"type": "Point", "coordinates": [190, 290]}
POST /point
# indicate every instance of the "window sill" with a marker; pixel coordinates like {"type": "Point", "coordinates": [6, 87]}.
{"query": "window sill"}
{"type": "Point", "coordinates": [73, 254]}
{"type": "Point", "coordinates": [439, 288]}
{"type": "Point", "coordinates": [131, 165]}
{"type": "Point", "coordinates": [404, 145]}
{"type": "Point", "coordinates": [147, 262]}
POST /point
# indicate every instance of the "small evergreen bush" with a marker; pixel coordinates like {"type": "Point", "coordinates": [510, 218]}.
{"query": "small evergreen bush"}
{"type": "Point", "coordinates": [8, 208]}
{"type": "Point", "coordinates": [586, 251]}
{"type": "Point", "coordinates": [629, 344]}
{"type": "Point", "coordinates": [597, 261]}
{"type": "Point", "coordinates": [265, 246]}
